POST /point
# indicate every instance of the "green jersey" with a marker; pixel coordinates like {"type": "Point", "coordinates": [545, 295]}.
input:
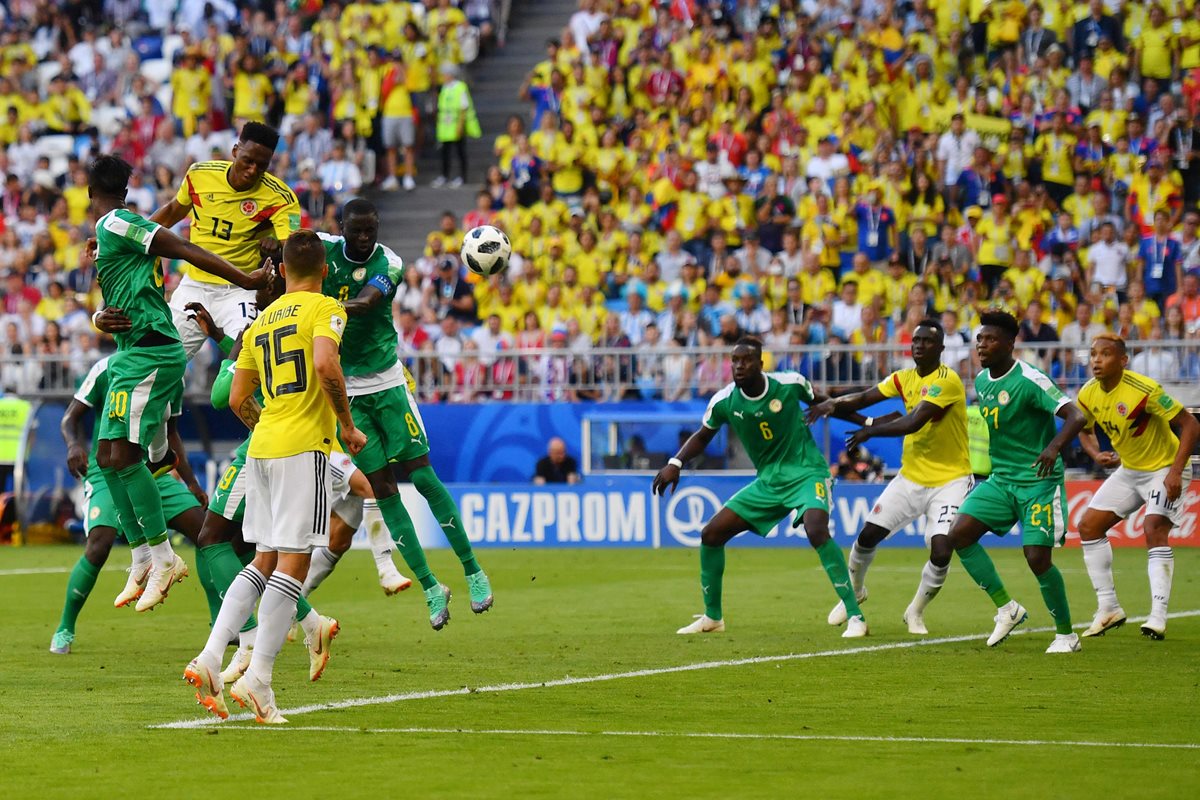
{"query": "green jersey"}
{"type": "Point", "coordinates": [1019, 408]}
{"type": "Point", "coordinates": [369, 344]}
{"type": "Point", "coordinates": [219, 396]}
{"type": "Point", "coordinates": [771, 427]}
{"type": "Point", "coordinates": [91, 393]}
{"type": "Point", "coordinates": [130, 278]}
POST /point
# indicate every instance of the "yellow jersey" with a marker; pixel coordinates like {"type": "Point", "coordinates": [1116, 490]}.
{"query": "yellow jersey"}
{"type": "Point", "coordinates": [231, 223]}
{"type": "Point", "coordinates": [938, 453]}
{"type": "Point", "coordinates": [278, 347]}
{"type": "Point", "coordinates": [1136, 417]}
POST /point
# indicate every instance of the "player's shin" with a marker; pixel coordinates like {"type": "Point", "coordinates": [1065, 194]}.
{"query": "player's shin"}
{"type": "Point", "coordinates": [79, 586]}
{"type": "Point", "coordinates": [377, 535]}
{"type": "Point", "coordinates": [404, 534]}
{"type": "Point", "coordinates": [445, 511]}
{"type": "Point", "coordinates": [210, 590]}
{"type": "Point", "coordinates": [275, 615]}
{"type": "Point", "coordinates": [1054, 594]}
{"type": "Point", "coordinates": [712, 572]}
{"type": "Point", "coordinates": [146, 504]}
{"type": "Point", "coordinates": [933, 578]}
{"type": "Point", "coordinates": [223, 566]}
{"type": "Point", "coordinates": [980, 567]}
{"type": "Point", "coordinates": [236, 608]}
{"type": "Point", "coordinates": [322, 564]}
{"type": "Point", "coordinates": [835, 567]}
{"type": "Point", "coordinates": [860, 561]}
{"type": "Point", "coordinates": [1160, 564]}
{"type": "Point", "coordinates": [1098, 558]}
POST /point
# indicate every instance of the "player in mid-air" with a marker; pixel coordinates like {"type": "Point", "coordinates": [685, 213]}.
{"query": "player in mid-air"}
{"type": "Point", "coordinates": [146, 373]}
{"type": "Point", "coordinates": [1153, 436]}
{"type": "Point", "coordinates": [935, 466]}
{"type": "Point", "coordinates": [291, 351]}
{"type": "Point", "coordinates": [763, 411]}
{"type": "Point", "coordinates": [239, 211]}
{"type": "Point", "coordinates": [363, 275]}
{"type": "Point", "coordinates": [181, 505]}
{"type": "Point", "coordinates": [1019, 402]}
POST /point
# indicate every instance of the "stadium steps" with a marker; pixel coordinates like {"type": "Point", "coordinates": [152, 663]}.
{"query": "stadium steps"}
{"type": "Point", "coordinates": [495, 78]}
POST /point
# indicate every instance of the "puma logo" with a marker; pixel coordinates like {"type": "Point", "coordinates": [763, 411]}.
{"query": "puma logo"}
{"type": "Point", "coordinates": [738, 414]}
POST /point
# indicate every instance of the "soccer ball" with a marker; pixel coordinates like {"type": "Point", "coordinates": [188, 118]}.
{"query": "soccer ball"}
{"type": "Point", "coordinates": [486, 250]}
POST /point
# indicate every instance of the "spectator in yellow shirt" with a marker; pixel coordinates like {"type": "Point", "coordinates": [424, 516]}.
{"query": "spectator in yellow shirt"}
{"type": "Point", "coordinates": [191, 90]}
{"type": "Point", "coordinates": [252, 92]}
{"type": "Point", "coordinates": [1026, 279]}
{"type": "Point", "coordinates": [995, 242]}
{"type": "Point", "coordinates": [1156, 49]}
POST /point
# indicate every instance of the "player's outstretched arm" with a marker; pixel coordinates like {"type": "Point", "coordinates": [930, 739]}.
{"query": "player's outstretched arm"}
{"type": "Point", "coordinates": [167, 245]}
{"type": "Point", "coordinates": [1188, 430]}
{"type": "Point", "coordinates": [694, 446]}
{"type": "Point", "coordinates": [843, 407]}
{"type": "Point", "coordinates": [1091, 446]}
{"type": "Point", "coordinates": [241, 396]}
{"type": "Point", "coordinates": [370, 297]}
{"type": "Point", "coordinates": [76, 437]}
{"type": "Point", "coordinates": [171, 214]}
{"type": "Point", "coordinates": [922, 415]}
{"type": "Point", "coordinates": [1073, 423]}
{"type": "Point", "coordinates": [329, 371]}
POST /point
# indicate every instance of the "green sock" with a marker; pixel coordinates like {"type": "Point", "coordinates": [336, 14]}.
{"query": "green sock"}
{"type": "Point", "coordinates": [400, 526]}
{"type": "Point", "coordinates": [445, 511]}
{"type": "Point", "coordinates": [126, 516]}
{"type": "Point", "coordinates": [982, 570]}
{"type": "Point", "coordinates": [206, 580]}
{"type": "Point", "coordinates": [712, 571]}
{"type": "Point", "coordinates": [302, 608]}
{"type": "Point", "coordinates": [79, 586]}
{"type": "Point", "coordinates": [1054, 593]}
{"type": "Point", "coordinates": [834, 562]}
{"type": "Point", "coordinates": [145, 500]}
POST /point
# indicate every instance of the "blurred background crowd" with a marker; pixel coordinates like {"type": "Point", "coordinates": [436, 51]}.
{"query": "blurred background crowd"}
{"type": "Point", "coordinates": [815, 172]}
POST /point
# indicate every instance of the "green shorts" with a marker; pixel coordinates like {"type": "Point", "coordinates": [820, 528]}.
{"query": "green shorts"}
{"type": "Point", "coordinates": [1041, 508]}
{"type": "Point", "coordinates": [101, 513]}
{"type": "Point", "coordinates": [229, 499]}
{"type": "Point", "coordinates": [144, 384]}
{"type": "Point", "coordinates": [393, 425]}
{"type": "Point", "coordinates": [763, 505]}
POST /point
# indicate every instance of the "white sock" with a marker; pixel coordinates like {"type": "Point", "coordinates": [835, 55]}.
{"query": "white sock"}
{"type": "Point", "coordinates": [1098, 558]}
{"type": "Point", "coordinates": [236, 608]}
{"type": "Point", "coordinates": [158, 447]}
{"type": "Point", "coordinates": [311, 624]}
{"type": "Point", "coordinates": [322, 563]}
{"type": "Point", "coordinates": [1160, 564]}
{"type": "Point", "coordinates": [162, 556]}
{"type": "Point", "coordinates": [141, 555]}
{"type": "Point", "coordinates": [933, 578]}
{"type": "Point", "coordinates": [860, 562]}
{"type": "Point", "coordinates": [246, 638]}
{"type": "Point", "coordinates": [378, 536]}
{"type": "Point", "coordinates": [275, 615]}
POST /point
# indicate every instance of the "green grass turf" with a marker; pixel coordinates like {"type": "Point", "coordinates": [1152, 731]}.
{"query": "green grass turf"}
{"type": "Point", "coordinates": [77, 726]}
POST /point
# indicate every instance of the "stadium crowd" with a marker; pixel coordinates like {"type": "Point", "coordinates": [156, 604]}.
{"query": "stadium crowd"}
{"type": "Point", "coordinates": [352, 85]}
{"type": "Point", "coordinates": [826, 171]}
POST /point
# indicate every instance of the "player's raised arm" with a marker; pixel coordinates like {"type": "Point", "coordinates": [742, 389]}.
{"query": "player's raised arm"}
{"type": "Point", "coordinates": [843, 407]}
{"type": "Point", "coordinates": [171, 214]}
{"type": "Point", "coordinates": [328, 366]}
{"type": "Point", "coordinates": [241, 395]}
{"type": "Point", "coordinates": [696, 444]}
{"type": "Point", "coordinates": [167, 245]}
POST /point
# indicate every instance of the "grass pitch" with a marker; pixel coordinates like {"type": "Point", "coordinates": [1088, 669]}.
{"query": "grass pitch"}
{"type": "Point", "coordinates": [882, 720]}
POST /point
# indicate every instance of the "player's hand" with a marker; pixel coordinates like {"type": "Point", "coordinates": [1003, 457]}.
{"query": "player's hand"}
{"type": "Point", "coordinates": [354, 440]}
{"type": "Point", "coordinates": [89, 250]}
{"type": "Point", "coordinates": [77, 460]}
{"type": "Point", "coordinates": [819, 411]}
{"type": "Point", "coordinates": [1173, 483]}
{"type": "Point", "coordinates": [1046, 461]}
{"type": "Point", "coordinates": [113, 320]}
{"type": "Point", "coordinates": [667, 476]}
{"type": "Point", "coordinates": [199, 493]}
{"type": "Point", "coordinates": [1108, 459]}
{"type": "Point", "coordinates": [270, 247]}
{"type": "Point", "coordinates": [261, 278]}
{"type": "Point", "coordinates": [199, 314]}
{"type": "Point", "coordinates": [857, 438]}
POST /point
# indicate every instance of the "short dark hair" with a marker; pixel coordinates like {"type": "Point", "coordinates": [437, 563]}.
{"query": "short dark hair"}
{"type": "Point", "coordinates": [359, 207]}
{"type": "Point", "coordinates": [750, 341]}
{"type": "Point", "coordinates": [303, 254]}
{"type": "Point", "coordinates": [258, 133]}
{"type": "Point", "coordinates": [1003, 320]}
{"type": "Point", "coordinates": [930, 322]}
{"type": "Point", "coordinates": [109, 175]}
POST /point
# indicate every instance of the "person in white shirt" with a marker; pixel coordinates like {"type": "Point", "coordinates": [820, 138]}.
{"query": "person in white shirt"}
{"type": "Point", "coordinates": [1078, 335]}
{"type": "Point", "coordinates": [847, 312]}
{"type": "Point", "coordinates": [1155, 362]}
{"type": "Point", "coordinates": [491, 339]}
{"type": "Point", "coordinates": [710, 173]}
{"type": "Point", "coordinates": [955, 149]}
{"type": "Point", "coordinates": [201, 144]}
{"type": "Point", "coordinates": [1107, 259]}
{"type": "Point", "coordinates": [1189, 242]}
{"type": "Point", "coordinates": [340, 175]}
{"type": "Point", "coordinates": [827, 164]}
{"type": "Point", "coordinates": [583, 25]}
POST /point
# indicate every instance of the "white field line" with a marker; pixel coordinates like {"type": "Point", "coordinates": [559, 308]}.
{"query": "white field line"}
{"type": "Point", "coordinates": [790, 737]}
{"type": "Point", "coordinates": [356, 702]}
{"type": "Point", "coordinates": [5, 573]}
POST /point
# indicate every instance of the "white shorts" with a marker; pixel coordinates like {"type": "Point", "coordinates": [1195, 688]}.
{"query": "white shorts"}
{"type": "Point", "coordinates": [1127, 490]}
{"type": "Point", "coordinates": [231, 307]}
{"type": "Point", "coordinates": [399, 132]}
{"type": "Point", "coordinates": [287, 502]}
{"type": "Point", "coordinates": [347, 505]}
{"type": "Point", "coordinates": [903, 502]}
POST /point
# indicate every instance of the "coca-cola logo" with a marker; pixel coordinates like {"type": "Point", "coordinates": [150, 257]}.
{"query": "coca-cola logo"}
{"type": "Point", "coordinates": [1129, 531]}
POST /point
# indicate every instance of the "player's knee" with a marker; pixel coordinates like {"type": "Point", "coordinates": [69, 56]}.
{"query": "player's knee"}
{"type": "Point", "coordinates": [940, 550]}
{"type": "Point", "coordinates": [99, 545]}
{"type": "Point", "coordinates": [383, 484]}
{"type": "Point", "coordinates": [1038, 559]}
{"type": "Point", "coordinates": [1158, 530]}
{"type": "Point", "coordinates": [871, 536]}
{"type": "Point", "coordinates": [1090, 530]}
{"type": "Point", "coordinates": [818, 534]}
{"type": "Point", "coordinates": [711, 537]}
